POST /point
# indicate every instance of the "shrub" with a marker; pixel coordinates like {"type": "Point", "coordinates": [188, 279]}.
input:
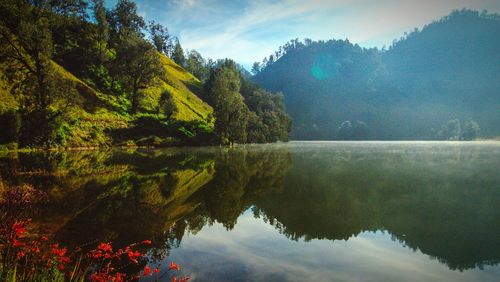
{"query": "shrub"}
{"type": "Point", "coordinates": [41, 128]}
{"type": "Point", "coordinates": [26, 257]}
{"type": "Point", "coordinates": [10, 126]}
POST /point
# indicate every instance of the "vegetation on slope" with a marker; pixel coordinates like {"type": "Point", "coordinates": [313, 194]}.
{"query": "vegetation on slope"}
{"type": "Point", "coordinates": [440, 82]}
{"type": "Point", "coordinates": [73, 78]}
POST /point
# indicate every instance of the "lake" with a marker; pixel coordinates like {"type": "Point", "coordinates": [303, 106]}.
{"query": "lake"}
{"type": "Point", "coordinates": [300, 211]}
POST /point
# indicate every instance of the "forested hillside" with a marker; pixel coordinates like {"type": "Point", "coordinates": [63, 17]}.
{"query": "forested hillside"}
{"type": "Point", "coordinates": [441, 82]}
{"type": "Point", "coordinates": [75, 73]}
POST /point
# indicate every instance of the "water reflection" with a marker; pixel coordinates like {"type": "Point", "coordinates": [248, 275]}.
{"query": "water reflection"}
{"type": "Point", "coordinates": [435, 199]}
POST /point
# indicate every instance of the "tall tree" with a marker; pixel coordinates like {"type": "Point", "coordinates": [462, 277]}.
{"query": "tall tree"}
{"type": "Point", "coordinates": [101, 30]}
{"type": "Point", "coordinates": [70, 8]}
{"type": "Point", "coordinates": [124, 19]}
{"type": "Point", "coordinates": [255, 68]}
{"type": "Point", "coordinates": [196, 65]}
{"type": "Point", "coordinates": [160, 38]}
{"type": "Point", "coordinates": [231, 113]}
{"type": "Point", "coordinates": [178, 54]}
{"type": "Point", "coordinates": [26, 40]}
{"type": "Point", "coordinates": [27, 47]}
{"type": "Point", "coordinates": [470, 130]}
{"type": "Point", "coordinates": [139, 65]}
{"type": "Point", "coordinates": [167, 105]}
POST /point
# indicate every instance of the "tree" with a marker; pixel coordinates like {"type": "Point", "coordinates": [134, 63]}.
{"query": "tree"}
{"type": "Point", "coordinates": [26, 45]}
{"type": "Point", "coordinates": [352, 131]}
{"type": "Point", "coordinates": [101, 30]}
{"type": "Point", "coordinates": [160, 38]}
{"type": "Point", "coordinates": [70, 8]}
{"type": "Point", "coordinates": [231, 113]}
{"type": "Point", "coordinates": [124, 19]}
{"type": "Point", "coordinates": [470, 130]}
{"type": "Point", "coordinates": [451, 130]}
{"type": "Point", "coordinates": [271, 122]}
{"type": "Point", "coordinates": [26, 40]}
{"type": "Point", "coordinates": [139, 66]}
{"type": "Point", "coordinates": [178, 54]}
{"type": "Point", "coordinates": [167, 104]}
{"type": "Point", "coordinates": [195, 64]}
{"type": "Point", "coordinates": [255, 68]}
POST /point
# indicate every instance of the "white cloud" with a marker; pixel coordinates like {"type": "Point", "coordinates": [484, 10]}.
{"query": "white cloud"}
{"type": "Point", "coordinates": [249, 30]}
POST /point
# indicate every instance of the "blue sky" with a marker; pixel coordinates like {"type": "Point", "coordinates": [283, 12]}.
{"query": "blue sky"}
{"type": "Point", "coordinates": [248, 30]}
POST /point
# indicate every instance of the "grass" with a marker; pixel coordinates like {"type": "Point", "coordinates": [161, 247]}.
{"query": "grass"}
{"type": "Point", "coordinates": [178, 83]}
{"type": "Point", "coordinates": [93, 115]}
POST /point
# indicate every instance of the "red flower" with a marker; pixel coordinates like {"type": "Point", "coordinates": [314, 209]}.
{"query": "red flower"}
{"type": "Point", "coordinates": [95, 254]}
{"type": "Point", "coordinates": [16, 243]}
{"type": "Point", "coordinates": [147, 271]}
{"type": "Point", "coordinates": [63, 260]}
{"type": "Point", "coordinates": [19, 229]}
{"type": "Point", "coordinates": [20, 255]}
{"type": "Point", "coordinates": [174, 279]}
{"type": "Point", "coordinates": [60, 252]}
{"type": "Point", "coordinates": [156, 270]}
{"type": "Point", "coordinates": [132, 256]}
{"type": "Point", "coordinates": [119, 277]}
{"type": "Point", "coordinates": [146, 242]}
{"type": "Point", "coordinates": [105, 247]}
{"type": "Point", "coordinates": [174, 266]}
{"type": "Point", "coordinates": [184, 279]}
{"type": "Point", "coordinates": [98, 277]}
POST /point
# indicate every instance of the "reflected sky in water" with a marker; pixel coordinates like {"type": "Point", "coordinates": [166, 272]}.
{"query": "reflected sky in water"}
{"type": "Point", "coordinates": [255, 251]}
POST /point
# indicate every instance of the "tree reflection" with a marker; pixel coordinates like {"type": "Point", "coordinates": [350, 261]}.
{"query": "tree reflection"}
{"type": "Point", "coordinates": [445, 207]}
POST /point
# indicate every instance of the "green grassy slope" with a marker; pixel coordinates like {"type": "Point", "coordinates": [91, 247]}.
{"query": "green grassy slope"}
{"type": "Point", "coordinates": [92, 114]}
{"type": "Point", "coordinates": [180, 84]}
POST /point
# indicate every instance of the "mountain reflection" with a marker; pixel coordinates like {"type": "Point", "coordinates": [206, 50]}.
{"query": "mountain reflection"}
{"type": "Point", "coordinates": [443, 203]}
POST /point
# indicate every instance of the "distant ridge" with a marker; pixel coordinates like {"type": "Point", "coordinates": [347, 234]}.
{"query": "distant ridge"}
{"type": "Point", "coordinates": [431, 84]}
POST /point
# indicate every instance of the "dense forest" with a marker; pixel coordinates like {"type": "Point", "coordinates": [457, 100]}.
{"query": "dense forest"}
{"type": "Point", "coordinates": [74, 73]}
{"type": "Point", "coordinates": [438, 83]}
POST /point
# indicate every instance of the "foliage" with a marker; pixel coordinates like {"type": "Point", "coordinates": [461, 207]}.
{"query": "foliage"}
{"type": "Point", "coordinates": [80, 74]}
{"type": "Point", "coordinates": [167, 105]}
{"type": "Point", "coordinates": [447, 70]}
{"type": "Point", "coordinates": [178, 54]}
{"type": "Point", "coordinates": [26, 42]}
{"type": "Point", "coordinates": [197, 65]}
{"type": "Point", "coordinates": [30, 257]}
{"type": "Point", "coordinates": [455, 130]}
{"type": "Point", "coordinates": [138, 66]}
{"type": "Point", "coordinates": [470, 130]}
{"type": "Point", "coordinates": [160, 38]}
{"type": "Point", "coordinates": [231, 113]}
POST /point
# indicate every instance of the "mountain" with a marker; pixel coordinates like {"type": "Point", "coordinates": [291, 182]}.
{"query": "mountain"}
{"type": "Point", "coordinates": [441, 82]}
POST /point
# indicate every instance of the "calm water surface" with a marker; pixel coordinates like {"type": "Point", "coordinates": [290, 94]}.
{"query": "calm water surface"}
{"type": "Point", "coordinates": [302, 211]}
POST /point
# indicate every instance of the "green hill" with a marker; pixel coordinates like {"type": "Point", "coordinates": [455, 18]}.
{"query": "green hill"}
{"type": "Point", "coordinates": [181, 85]}
{"type": "Point", "coordinates": [77, 74]}
{"type": "Point", "coordinates": [95, 115]}
{"type": "Point", "coordinates": [440, 82]}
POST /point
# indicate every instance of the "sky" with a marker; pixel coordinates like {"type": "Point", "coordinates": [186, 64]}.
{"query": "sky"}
{"type": "Point", "coordinates": [249, 30]}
